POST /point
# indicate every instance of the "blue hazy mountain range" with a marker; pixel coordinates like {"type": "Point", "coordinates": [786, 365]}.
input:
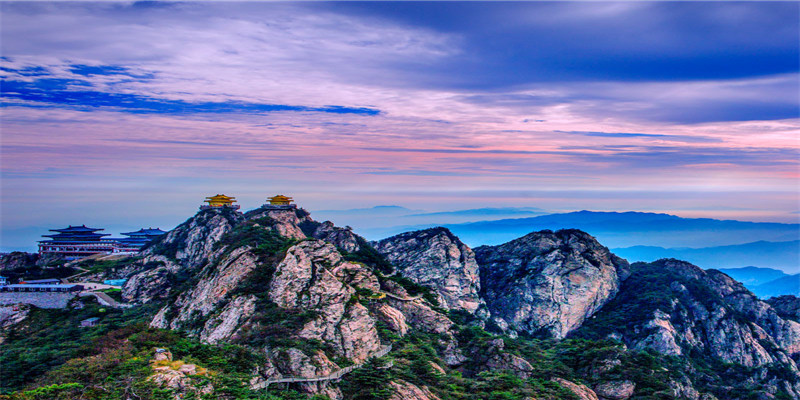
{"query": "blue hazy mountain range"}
{"type": "Point", "coordinates": [636, 235]}
{"type": "Point", "coordinates": [766, 282]}
{"type": "Point", "coordinates": [615, 229]}
{"type": "Point", "coordinates": [392, 218]}
{"type": "Point", "coordinates": [484, 212]}
{"type": "Point", "coordinates": [377, 210]}
{"type": "Point", "coordinates": [789, 284]}
{"type": "Point", "coordinates": [754, 276]}
{"type": "Point", "coordinates": [783, 255]}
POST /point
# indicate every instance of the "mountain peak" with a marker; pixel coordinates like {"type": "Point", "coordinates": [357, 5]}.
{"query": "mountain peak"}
{"type": "Point", "coordinates": [547, 283]}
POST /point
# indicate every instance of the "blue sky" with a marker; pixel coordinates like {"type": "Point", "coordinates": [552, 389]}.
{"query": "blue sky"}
{"type": "Point", "coordinates": [126, 114]}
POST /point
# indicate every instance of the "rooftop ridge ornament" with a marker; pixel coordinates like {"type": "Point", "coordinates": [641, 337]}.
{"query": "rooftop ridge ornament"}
{"type": "Point", "coordinates": [219, 201]}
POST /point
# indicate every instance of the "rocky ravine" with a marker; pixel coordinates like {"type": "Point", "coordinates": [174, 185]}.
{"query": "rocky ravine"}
{"type": "Point", "coordinates": [548, 283]}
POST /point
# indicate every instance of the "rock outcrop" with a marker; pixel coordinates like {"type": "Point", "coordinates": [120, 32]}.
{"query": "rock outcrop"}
{"type": "Point", "coordinates": [676, 308]}
{"type": "Point", "coordinates": [548, 283]}
{"type": "Point", "coordinates": [787, 306]}
{"type": "Point", "coordinates": [306, 280]}
{"type": "Point", "coordinates": [176, 376]}
{"type": "Point", "coordinates": [217, 281]}
{"type": "Point", "coordinates": [581, 391]}
{"type": "Point", "coordinates": [706, 311]}
{"type": "Point", "coordinates": [150, 281]}
{"type": "Point", "coordinates": [437, 259]}
{"type": "Point", "coordinates": [418, 314]}
{"type": "Point", "coordinates": [18, 260]}
{"type": "Point", "coordinates": [496, 359]}
{"type": "Point", "coordinates": [281, 283]}
{"type": "Point", "coordinates": [284, 222]}
{"type": "Point", "coordinates": [785, 332]}
{"type": "Point", "coordinates": [615, 390]}
{"type": "Point", "coordinates": [12, 315]}
{"type": "Point", "coordinates": [342, 238]}
{"type": "Point", "coordinates": [250, 282]}
{"type": "Point", "coordinates": [191, 243]}
{"type": "Point", "coordinates": [403, 390]}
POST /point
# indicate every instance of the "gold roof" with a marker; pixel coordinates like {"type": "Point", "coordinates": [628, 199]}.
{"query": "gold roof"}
{"type": "Point", "coordinates": [280, 199]}
{"type": "Point", "coordinates": [220, 199]}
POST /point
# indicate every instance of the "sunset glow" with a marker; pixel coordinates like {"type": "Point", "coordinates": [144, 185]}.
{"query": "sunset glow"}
{"type": "Point", "coordinates": [128, 114]}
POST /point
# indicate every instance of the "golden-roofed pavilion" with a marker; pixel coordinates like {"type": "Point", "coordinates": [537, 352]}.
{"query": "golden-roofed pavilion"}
{"type": "Point", "coordinates": [280, 200]}
{"type": "Point", "coordinates": [219, 200]}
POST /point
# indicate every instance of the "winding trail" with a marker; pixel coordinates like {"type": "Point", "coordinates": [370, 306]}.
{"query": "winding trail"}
{"type": "Point", "coordinates": [333, 376]}
{"type": "Point", "coordinates": [105, 299]}
{"type": "Point", "coordinates": [412, 298]}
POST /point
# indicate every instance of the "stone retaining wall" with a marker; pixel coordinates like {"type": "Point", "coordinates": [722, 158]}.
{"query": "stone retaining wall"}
{"type": "Point", "coordinates": [38, 299]}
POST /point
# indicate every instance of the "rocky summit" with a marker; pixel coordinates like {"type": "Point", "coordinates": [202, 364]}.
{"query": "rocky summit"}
{"type": "Point", "coordinates": [547, 283]}
{"type": "Point", "coordinates": [439, 260]}
{"type": "Point", "coordinates": [271, 304]}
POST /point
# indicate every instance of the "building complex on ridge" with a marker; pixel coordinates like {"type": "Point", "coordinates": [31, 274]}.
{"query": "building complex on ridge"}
{"type": "Point", "coordinates": [74, 242]}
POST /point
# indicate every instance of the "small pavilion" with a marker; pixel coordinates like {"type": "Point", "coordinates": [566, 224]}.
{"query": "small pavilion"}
{"type": "Point", "coordinates": [280, 201]}
{"type": "Point", "coordinates": [220, 201]}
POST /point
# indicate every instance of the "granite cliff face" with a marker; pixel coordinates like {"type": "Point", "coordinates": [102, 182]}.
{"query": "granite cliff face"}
{"type": "Point", "coordinates": [788, 307]}
{"type": "Point", "coordinates": [284, 222]}
{"type": "Point", "coordinates": [677, 309]}
{"type": "Point", "coordinates": [342, 238]}
{"type": "Point", "coordinates": [548, 283]}
{"type": "Point", "coordinates": [192, 242]}
{"type": "Point", "coordinates": [437, 259]}
{"type": "Point", "coordinates": [258, 279]}
{"type": "Point", "coordinates": [313, 276]}
{"type": "Point", "coordinates": [785, 332]}
{"type": "Point", "coordinates": [179, 253]}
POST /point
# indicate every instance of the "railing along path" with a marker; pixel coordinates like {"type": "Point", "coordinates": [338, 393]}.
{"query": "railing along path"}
{"type": "Point", "coordinates": [333, 376]}
{"type": "Point", "coordinates": [417, 297]}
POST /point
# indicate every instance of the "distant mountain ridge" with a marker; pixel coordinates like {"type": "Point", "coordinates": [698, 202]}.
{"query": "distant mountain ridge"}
{"type": "Point", "coordinates": [371, 210]}
{"type": "Point", "coordinates": [485, 212]}
{"type": "Point", "coordinates": [753, 276]}
{"type": "Point", "coordinates": [786, 285]}
{"type": "Point", "coordinates": [616, 229]}
{"type": "Point", "coordinates": [783, 255]}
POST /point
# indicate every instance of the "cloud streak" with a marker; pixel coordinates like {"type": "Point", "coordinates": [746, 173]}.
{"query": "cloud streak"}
{"type": "Point", "coordinates": [80, 94]}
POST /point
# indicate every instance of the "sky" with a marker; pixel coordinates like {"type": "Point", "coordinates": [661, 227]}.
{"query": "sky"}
{"type": "Point", "coordinates": [126, 115]}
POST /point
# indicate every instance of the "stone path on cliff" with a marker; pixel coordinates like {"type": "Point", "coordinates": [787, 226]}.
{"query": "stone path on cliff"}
{"type": "Point", "coordinates": [69, 278]}
{"type": "Point", "coordinates": [333, 376]}
{"type": "Point", "coordinates": [105, 299]}
{"type": "Point", "coordinates": [412, 298]}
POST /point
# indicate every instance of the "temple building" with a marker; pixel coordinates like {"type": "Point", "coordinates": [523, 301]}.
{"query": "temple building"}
{"type": "Point", "coordinates": [136, 240]}
{"type": "Point", "coordinates": [280, 201]}
{"type": "Point", "coordinates": [219, 201]}
{"type": "Point", "coordinates": [75, 242]}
